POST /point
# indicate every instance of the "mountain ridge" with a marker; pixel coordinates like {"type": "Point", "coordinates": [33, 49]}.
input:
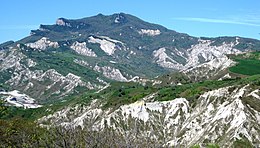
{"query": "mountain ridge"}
{"type": "Point", "coordinates": [116, 70]}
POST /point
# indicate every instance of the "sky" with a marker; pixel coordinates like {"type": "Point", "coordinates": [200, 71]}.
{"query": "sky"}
{"type": "Point", "coordinates": [207, 18]}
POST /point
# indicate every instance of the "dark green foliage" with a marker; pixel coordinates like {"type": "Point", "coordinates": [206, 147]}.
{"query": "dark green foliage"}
{"type": "Point", "coordinates": [3, 109]}
{"type": "Point", "coordinates": [190, 91]}
{"type": "Point", "coordinates": [173, 79]}
{"type": "Point", "coordinates": [20, 133]}
{"type": "Point", "coordinates": [4, 75]}
{"type": "Point", "coordinates": [247, 67]}
{"type": "Point", "coordinates": [11, 112]}
{"type": "Point", "coordinates": [6, 44]}
{"type": "Point", "coordinates": [209, 145]}
{"type": "Point", "coordinates": [27, 114]}
{"type": "Point", "coordinates": [125, 93]}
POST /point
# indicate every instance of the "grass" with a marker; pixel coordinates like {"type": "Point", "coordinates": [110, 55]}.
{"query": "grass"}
{"type": "Point", "coordinates": [248, 64]}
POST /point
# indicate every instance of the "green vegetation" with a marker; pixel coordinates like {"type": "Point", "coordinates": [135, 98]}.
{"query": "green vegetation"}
{"type": "Point", "coordinates": [211, 145]}
{"type": "Point", "coordinates": [4, 86]}
{"type": "Point", "coordinates": [11, 112]}
{"type": "Point", "coordinates": [242, 143]}
{"type": "Point", "coordinates": [125, 93]}
{"type": "Point", "coordinates": [120, 93]}
{"type": "Point", "coordinates": [5, 44]}
{"type": "Point", "coordinates": [173, 79]}
{"type": "Point", "coordinates": [253, 102]}
{"type": "Point", "coordinates": [62, 61]}
{"type": "Point", "coordinates": [248, 64]}
{"type": "Point", "coordinates": [4, 75]}
{"type": "Point", "coordinates": [22, 133]}
{"type": "Point", "coordinates": [195, 146]}
{"type": "Point", "coordinates": [192, 90]}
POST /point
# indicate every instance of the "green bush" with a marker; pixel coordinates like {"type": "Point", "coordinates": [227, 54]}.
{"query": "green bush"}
{"type": "Point", "coordinates": [210, 145]}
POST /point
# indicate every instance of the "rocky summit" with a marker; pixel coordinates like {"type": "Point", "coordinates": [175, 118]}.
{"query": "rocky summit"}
{"type": "Point", "coordinates": [119, 74]}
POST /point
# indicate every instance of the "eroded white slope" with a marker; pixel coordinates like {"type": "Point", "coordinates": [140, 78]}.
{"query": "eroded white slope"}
{"type": "Point", "coordinates": [110, 72]}
{"type": "Point", "coordinates": [106, 44]}
{"type": "Point", "coordinates": [82, 49]}
{"type": "Point", "coordinates": [18, 99]}
{"type": "Point", "coordinates": [204, 51]}
{"type": "Point", "coordinates": [23, 77]}
{"type": "Point", "coordinates": [203, 54]}
{"type": "Point", "coordinates": [210, 69]}
{"type": "Point", "coordinates": [218, 113]}
{"type": "Point", "coordinates": [162, 59]}
{"type": "Point", "coordinates": [219, 116]}
{"type": "Point", "coordinates": [43, 44]}
{"type": "Point", "coordinates": [11, 60]}
{"type": "Point", "coordinates": [149, 32]}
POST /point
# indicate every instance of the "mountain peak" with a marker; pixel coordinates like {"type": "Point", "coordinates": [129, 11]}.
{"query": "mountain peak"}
{"type": "Point", "coordinates": [119, 18]}
{"type": "Point", "coordinates": [62, 22]}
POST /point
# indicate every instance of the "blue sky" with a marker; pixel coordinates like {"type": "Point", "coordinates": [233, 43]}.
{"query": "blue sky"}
{"type": "Point", "coordinates": [209, 18]}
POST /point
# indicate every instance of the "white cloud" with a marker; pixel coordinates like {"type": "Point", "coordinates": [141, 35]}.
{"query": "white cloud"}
{"type": "Point", "coordinates": [18, 27]}
{"type": "Point", "coordinates": [237, 20]}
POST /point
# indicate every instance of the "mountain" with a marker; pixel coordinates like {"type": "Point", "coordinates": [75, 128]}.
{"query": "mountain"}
{"type": "Point", "coordinates": [74, 55]}
{"type": "Point", "coordinates": [119, 72]}
{"type": "Point", "coordinates": [138, 45]}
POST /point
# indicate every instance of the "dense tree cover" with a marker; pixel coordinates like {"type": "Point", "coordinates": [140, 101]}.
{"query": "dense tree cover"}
{"type": "Point", "coordinates": [22, 133]}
